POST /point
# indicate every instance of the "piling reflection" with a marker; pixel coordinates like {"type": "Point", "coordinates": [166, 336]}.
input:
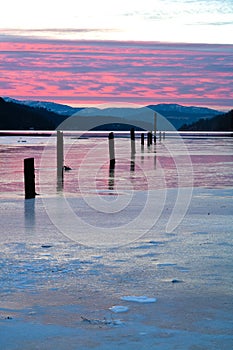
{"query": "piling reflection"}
{"type": "Point", "coordinates": [155, 161]}
{"type": "Point", "coordinates": [111, 178]}
{"type": "Point", "coordinates": [60, 185]}
{"type": "Point", "coordinates": [132, 163]}
{"type": "Point", "coordinates": [142, 154]}
{"type": "Point", "coordinates": [29, 215]}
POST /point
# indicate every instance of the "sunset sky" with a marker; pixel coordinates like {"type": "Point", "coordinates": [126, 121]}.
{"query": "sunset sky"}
{"type": "Point", "coordinates": [90, 52]}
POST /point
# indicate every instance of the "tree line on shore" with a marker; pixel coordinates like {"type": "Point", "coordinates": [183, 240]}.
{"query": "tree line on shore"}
{"type": "Point", "coordinates": [222, 122]}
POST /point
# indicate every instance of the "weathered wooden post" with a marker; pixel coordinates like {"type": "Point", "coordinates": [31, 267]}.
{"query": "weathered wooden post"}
{"type": "Point", "coordinates": [142, 147]}
{"type": "Point", "coordinates": [132, 137]}
{"type": "Point", "coordinates": [164, 135]}
{"type": "Point", "coordinates": [111, 150]}
{"type": "Point", "coordinates": [151, 137]}
{"type": "Point", "coordinates": [29, 178]}
{"type": "Point", "coordinates": [142, 140]}
{"type": "Point", "coordinates": [148, 139]}
{"type": "Point", "coordinates": [155, 126]}
{"type": "Point", "coordinates": [160, 136]}
{"type": "Point", "coordinates": [60, 156]}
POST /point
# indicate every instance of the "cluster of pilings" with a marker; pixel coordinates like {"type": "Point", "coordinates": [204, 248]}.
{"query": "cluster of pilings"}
{"type": "Point", "coordinates": [29, 171]}
{"type": "Point", "coordinates": [150, 138]}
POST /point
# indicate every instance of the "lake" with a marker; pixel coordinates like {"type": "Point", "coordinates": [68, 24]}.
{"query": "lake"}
{"type": "Point", "coordinates": [158, 227]}
{"type": "Point", "coordinates": [199, 161]}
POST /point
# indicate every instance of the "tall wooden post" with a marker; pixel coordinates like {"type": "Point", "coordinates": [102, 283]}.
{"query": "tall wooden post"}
{"type": "Point", "coordinates": [132, 137]}
{"type": "Point", "coordinates": [60, 156]}
{"type": "Point", "coordinates": [29, 178]}
{"type": "Point", "coordinates": [148, 139]}
{"type": "Point", "coordinates": [142, 140]}
{"type": "Point", "coordinates": [111, 150]}
{"type": "Point", "coordinates": [155, 126]}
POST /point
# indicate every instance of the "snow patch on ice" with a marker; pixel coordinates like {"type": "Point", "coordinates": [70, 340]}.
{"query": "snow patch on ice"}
{"type": "Point", "coordinates": [119, 308]}
{"type": "Point", "coordinates": [139, 299]}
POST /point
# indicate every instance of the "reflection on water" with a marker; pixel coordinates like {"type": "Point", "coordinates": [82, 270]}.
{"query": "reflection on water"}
{"type": "Point", "coordinates": [169, 163]}
{"type": "Point", "coordinates": [29, 215]}
{"type": "Point", "coordinates": [111, 178]}
{"type": "Point", "coordinates": [60, 185]}
{"type": "Point", "coordinates": [132, 162]}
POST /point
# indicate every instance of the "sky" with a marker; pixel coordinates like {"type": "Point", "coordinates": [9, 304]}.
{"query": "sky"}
{"type": "Point", "coordinates": [91, 52]}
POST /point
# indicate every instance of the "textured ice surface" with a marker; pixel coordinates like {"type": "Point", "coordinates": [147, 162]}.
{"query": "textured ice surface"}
{"type": "Point", "coordinates": [49, 284]}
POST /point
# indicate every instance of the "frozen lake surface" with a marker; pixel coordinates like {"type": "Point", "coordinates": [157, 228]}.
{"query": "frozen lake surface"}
{"type": "Point", "coordinates": [158, 228]}
{"type": "Point", "coordinates": [170, 164]}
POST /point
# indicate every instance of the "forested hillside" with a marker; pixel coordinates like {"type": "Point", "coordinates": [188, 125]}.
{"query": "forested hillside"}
{"type": "Point", "coordinates": [222, 122]}
{"type": "Point", "coordinates": [15, 116]}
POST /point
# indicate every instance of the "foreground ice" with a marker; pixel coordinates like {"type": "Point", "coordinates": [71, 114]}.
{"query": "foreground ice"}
{"type": "Point", "coordinates": [50, 284]}
{"type": "Point", "coordinates": [59, 293]}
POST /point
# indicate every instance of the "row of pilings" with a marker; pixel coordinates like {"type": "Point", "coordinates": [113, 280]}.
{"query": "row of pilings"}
{"type": "Point", "coordinates": [29, 170]}
{"type": "Point", "coordinates": [112, 159]}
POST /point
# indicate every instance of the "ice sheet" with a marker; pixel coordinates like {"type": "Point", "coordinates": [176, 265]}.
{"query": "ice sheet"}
{"type": "Point", "coordinates": [50, 284]}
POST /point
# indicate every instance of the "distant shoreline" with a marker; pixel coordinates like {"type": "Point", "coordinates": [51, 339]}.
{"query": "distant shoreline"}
{"type": "Point", "coordinates": [103, 133]}
{"type": "Point", "coordinates": [25, 133]}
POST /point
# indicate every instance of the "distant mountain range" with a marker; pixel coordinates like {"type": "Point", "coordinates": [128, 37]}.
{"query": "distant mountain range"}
{"type": "Point", "coordinates": [39, 115]}
{"type": "Point", "coordinates": [179, 115]}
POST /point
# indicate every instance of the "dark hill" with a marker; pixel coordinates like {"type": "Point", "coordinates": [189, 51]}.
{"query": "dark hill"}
{"type": "Point", "coordinates": [18, 116]}
{"type": "Point", "coordinates": [14, 116]}
{"type": "Point", "coordinates": [222, 122]}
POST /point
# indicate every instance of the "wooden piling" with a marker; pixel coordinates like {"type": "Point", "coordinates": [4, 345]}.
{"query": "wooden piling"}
{"type": "Point", "coordinates": [148, 139]}
{"type": "Point", "coordinates": [160, 136]}
{"type": "Point", "coordinates": [111, 150]}
{"type": "Point", "coordinates": [155, 126]}
{"type": "Point", "coordinates": [60, 156]}
{"type": "Point", "coordinates": [29, 178]}
{"type": "Point", "coordinates": [132, 137]}
{"type": "Point", "coordinates": [142, 140]}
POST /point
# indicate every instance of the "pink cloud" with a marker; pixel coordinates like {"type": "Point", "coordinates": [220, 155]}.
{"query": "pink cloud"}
{"type": "Point", "coordinates": [94, 72]}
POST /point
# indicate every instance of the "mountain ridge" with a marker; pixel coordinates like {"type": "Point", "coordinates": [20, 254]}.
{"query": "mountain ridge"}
{"type": "Point", "coordinates": [65, 109]}
{"type": "Point", "coordinates": [176, 114]}
{"type": "Point", "coordinates": [50, 115]}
